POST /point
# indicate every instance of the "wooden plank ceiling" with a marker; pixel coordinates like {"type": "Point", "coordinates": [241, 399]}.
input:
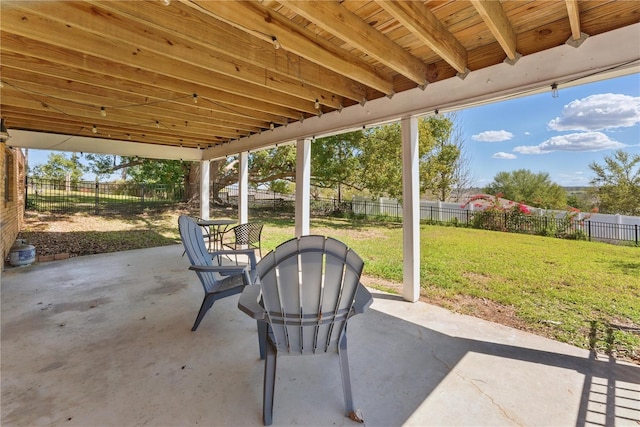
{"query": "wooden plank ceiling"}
{"type": "Point", "coordinates": [197, 73]}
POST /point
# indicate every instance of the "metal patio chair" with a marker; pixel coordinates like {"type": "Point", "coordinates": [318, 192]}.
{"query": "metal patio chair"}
{"type": "Point", "coordinates": [218, 280]}
{"type": "Point", "coordinates": [247, 235]}
{"type": "Point", "coordinates": [309, 288]}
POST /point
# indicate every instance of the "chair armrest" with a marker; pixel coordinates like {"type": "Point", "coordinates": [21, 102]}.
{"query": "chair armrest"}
{"type": "Point", "coordinates": [249, 302]}
{"type": "Point", "coordinates": [250, 253]}
{"type": "Point", "coordinates": [226, 270]}
{"type": "Point", "coordinates": [363, 300]}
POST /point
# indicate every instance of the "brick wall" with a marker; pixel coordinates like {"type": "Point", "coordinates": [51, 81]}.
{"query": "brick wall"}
{"type": "Point", "coordinates": [12, 174]}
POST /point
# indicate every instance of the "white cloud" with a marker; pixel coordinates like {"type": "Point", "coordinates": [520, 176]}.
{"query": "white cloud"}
{"type": "Point", "coordinates": [493, 136]}
{"type": "Point", "coordinates": [598, 112]}
{"type": "Point", "coordinates": [503, 155]}
{"type": "Point", "coordinates": [527, 133]}
{"type": "Point", "coordinates": [586, 141]}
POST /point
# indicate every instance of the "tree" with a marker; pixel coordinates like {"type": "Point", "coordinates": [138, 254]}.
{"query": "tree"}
{"type": "Point", "coordinates": [462, 176]}
{"type": "Point", "coordinates": [533, 189]}
{"type": "Point", "coordinates": [437, 173]}
{"type": "Point", "coordinates": [335, 161]}
{"type": "Point", "coordinates": [144, 171]}
{"type": "Point", "coordinates": [59, 166]}
{"type": "Point", "coordinates": [617, 183]}
{"type": "Point", "coordinates": [102, 165]}
{"type": "Point", "coordinates": [381, 163]}
{"type": "Point", "coordinates": [277, 163]}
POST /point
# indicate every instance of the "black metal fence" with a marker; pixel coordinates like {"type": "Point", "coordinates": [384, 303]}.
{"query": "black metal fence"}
{"type": "Point", "coordinates": [60, 196]}
{"type": "Point", "coordinates": [127, 197]}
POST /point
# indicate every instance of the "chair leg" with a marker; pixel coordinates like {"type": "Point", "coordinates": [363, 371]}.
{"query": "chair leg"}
{"type": "Point", "coordinates": [346, 377]}
{"type": "Point", "coordinates": [262, 338]}
{"type": "Point", "coordinates": [269, 384]}
{"type": "Point", "coordinates": [206, 305]}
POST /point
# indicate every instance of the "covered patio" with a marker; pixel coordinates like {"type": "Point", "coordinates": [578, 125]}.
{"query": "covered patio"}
{"type": "Point", "coordinates": [106, 340]}
{"type": "Point", "coordinates": [202, 80]}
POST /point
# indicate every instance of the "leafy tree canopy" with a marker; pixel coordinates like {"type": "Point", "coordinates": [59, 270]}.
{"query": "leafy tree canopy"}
{"type": "Point", "coordinates": [58, 166]}
{"type": "Point", "coordinates": [381, 158]}
{"type": "Point", "coordinates": [617, 183]}
{"type": "Point", "coordinates": [140, 170]}
{"type": "Point", "coordinates": [362, 160]}
{"type": "Point", "coordinates": [533, 189]}
{"type": "Point", "coordinates": [438, 173]}
{"type": "Point", "coordinates": [335, 161]}
{"type": "Point", "coordinates": [274, 164]}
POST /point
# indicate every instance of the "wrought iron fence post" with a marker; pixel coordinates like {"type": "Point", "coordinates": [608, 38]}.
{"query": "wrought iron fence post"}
{"type": "Point", "coordinates": [636, 229]}
{"type": "Point", "coordinates": [589, 229]}
{"type": "Point", "coordinates": [142, 187]}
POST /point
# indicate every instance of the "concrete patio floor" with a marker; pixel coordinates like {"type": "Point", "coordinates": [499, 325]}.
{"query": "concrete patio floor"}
{"type": "Point", "coordinates": [105, 340]}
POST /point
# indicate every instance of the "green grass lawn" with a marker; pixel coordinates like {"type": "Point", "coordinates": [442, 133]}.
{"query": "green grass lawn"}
{"type": "Point", "coordinates": [582, 293]}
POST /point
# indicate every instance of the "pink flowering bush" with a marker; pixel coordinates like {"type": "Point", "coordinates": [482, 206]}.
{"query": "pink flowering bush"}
{"type": "Point", "coordinates": [494, 213]}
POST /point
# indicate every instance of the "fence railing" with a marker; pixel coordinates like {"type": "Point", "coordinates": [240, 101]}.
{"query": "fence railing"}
{"type": "Point", "coordinates": [567, 227]}
{"type": "Point", "coordinates": [65, 196]}
{"type": "Point", "coordinates": [101, 198]}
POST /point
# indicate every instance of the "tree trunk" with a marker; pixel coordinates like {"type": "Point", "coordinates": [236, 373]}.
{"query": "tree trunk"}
{"type": "Point", "coordinates": [193, 182]}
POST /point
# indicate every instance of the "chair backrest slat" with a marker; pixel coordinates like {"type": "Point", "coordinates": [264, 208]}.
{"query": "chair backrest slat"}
{"type": "Point", "coordinates": [308, 287]}
{"type": "Point", "coordinates": [196, 250]}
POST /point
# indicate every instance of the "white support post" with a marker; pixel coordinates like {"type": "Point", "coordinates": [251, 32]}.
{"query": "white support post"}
{"type": "Point", "coordinates": [303, 186]}
{"type": "Point", "coordinates": [204, 189]}
{"type": "Point", "coordinates": [410, 210]}
{"type": "Point", "coordinates": [243, 188]}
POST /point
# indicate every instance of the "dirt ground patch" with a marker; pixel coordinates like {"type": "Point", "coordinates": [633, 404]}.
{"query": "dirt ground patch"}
{"type": "Point", "coordinates": [83, 234]}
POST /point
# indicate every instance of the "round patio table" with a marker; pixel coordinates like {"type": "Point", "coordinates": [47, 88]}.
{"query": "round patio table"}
{"type": "Point", "coordinates": [215, 228]}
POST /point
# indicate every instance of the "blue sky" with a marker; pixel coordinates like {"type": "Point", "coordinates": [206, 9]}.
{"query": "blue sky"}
{"type": "Point", "coordinates": [559, 136]}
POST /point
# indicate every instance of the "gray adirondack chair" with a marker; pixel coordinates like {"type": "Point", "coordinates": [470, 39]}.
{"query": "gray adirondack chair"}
{"type": "Point", "coordinates": [219, 281]}
{"type": "Point", "coordinates": [309, 288]}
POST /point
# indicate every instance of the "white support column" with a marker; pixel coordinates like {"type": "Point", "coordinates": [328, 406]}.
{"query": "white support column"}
{"type": "Point", "coordinates": [204, 189]}
{"type": "Point", "coordinates": [410, 210]}
{"type": "Point", "coordinates": [243, 188]}
{"type": "Point", "coordinates": [303, 186]}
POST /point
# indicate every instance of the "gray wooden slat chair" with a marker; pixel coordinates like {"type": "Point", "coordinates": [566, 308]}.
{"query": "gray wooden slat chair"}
{"type": "Point", "coordinates": [206, 233]}
{"type": "Point", "coordinates": [247, 235]}
{"type": "Point", "coordinates": [309, 288]}
{"type": "Point", "coordinates": [219, 281]}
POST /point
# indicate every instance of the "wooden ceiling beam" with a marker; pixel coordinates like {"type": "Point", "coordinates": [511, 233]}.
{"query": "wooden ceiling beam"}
{"type": "Point", "coordinates": [272, 26]}
{"type": "Point", "coordinates": [129, 122]}
{"type": "Point", "coordinates": [496, 19]}
{"type": "Point", "coordinates": [126, 91]}
{"type": "Point", "coordinates": [70, 60]}
{"type": "Point", "coordinates": [346, 25]}
{"type": "Point", "coordinates": [50, 89]}
{"type": "Point", "coordinates": [33, 23]}
{"type": "Point", "coordinates": [210, 33]}
{"type": "Point", "coordinates": [573, 10]}
{"type": "Point", "coordinates": [422, 23]}
{"type": "Point", "coordinates": [45, 123]}
{"type": "Point", "coordinates": [110, 23]}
